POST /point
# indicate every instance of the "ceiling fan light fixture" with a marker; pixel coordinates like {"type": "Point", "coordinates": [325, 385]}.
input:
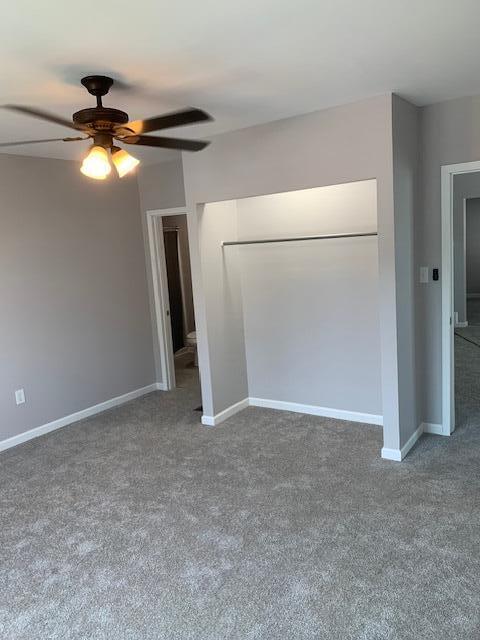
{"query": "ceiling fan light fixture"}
{"type": "Point", "coordinates": [123, 161]}
{"type": "Point", "coordinates": [96, 165]}
{"type": "Point", "coordinates": [104, 125]}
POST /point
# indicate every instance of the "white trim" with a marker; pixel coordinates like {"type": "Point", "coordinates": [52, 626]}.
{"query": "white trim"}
{"type": "Point", "coordinates": [160, 301]}
{"type": "Point", "coordinates": [464, 284]}
{"type": "Point", "coordinates": [432, 428]}
{"type": "Point", "coordinates": [461, 325]}
{"type": "Point", "coordinates": [314, 410]}
{"type": "Point", "coordinates": [79, 415]}
{"type": "Point", "coordinates": [448, 373]}
{"type": "Point", "coordinates": [397, 455]}
{"type": "Point", "coordinates": [212, 421]}
{"type": "Point", "coordinates": [392, 454]}
{"type": "Point", "coordinates": [176, 211]}
{"type": "Point", "coordinates": [160, 289]}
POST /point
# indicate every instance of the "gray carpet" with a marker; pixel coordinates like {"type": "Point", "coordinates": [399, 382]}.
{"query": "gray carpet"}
{"type": "Point", "coordinates": [471, 334]}
{"type": "Point", "coordinates": [467, 378]}
{"type": "Point", "coordinates": [141, 524]}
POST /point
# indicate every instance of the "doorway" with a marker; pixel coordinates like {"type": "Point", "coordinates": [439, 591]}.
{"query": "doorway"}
{"type": "Point", "coordinates": [173, 297]}
{"type": "Point", "coordinates": [460, 320]}
{"type": "Point", "coordinates": [467, 309]}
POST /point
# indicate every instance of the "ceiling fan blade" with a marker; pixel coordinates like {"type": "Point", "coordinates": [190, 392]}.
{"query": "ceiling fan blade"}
{"type": "Point", "coordinates": [21, 142]}
{"type": "Point", "coordinates": [167, 143]}
{"type": "Point", "coordinates": [42, 115]}
{"type": "Point", "coordinates": [177, 119]}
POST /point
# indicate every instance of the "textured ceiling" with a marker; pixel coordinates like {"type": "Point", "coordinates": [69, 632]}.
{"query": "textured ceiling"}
{"type": "Point", "coordinates": [245, 62]}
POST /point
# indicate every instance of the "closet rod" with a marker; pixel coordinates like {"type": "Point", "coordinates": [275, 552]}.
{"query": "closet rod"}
{"type": "Point", "coordinates": [324, 237]}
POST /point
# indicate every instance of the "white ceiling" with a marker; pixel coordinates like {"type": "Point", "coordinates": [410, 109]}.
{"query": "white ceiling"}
{"type": "Point", "coordinates": [245, 62]}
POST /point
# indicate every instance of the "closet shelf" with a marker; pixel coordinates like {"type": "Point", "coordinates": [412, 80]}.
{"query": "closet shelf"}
{"type": "Point", "coordinates": [302, 238]}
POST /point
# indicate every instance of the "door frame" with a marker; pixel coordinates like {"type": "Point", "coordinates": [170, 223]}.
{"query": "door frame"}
{"type": "Point", "coordinates": [464, 213]}
{"type": "Point", "coordinates": [448, 309]}
{"type": "Point", "coordinates": [160, 291]}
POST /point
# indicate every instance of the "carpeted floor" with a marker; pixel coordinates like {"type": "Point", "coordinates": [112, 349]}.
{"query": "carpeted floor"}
{"type": "Point", "coordinates": [140, 524]}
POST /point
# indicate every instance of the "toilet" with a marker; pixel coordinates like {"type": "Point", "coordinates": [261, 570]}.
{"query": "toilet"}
{"type": "Point", "coordinates": [192, 344]}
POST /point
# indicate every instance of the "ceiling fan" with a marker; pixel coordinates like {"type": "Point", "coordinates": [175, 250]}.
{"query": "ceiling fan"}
{"type": "Point", "coordinates": [104, 125]}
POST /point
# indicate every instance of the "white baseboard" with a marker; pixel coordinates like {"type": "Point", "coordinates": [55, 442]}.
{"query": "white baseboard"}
{"type": "Point", "coordinates": [325, 412]}
{"type": "Point", "coordinates": [399, 454]}
{"type": "Point", "coordinates": [433, 428]}
{"type": "Point", "coordinates": [461, 325]}
{"type": "Point", "coordinates": [392, 454]}
{"type": "Point", "coordinates": [79, 415]}
{"type": "Point", "coordinates": [212, 421]}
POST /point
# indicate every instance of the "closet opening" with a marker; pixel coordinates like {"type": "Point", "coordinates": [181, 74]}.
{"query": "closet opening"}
{"type": "Point", "coordinates": [290, 292]}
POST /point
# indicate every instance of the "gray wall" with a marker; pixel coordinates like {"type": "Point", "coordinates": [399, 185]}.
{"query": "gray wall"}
{"type": "Point", "coordinates": [450, 134]}
{"type": "Point", "coordinates": [220, 271]}
{"type": "Point", "coordinates": [344, 144]}
{"type": "Point", "coordinates": [473, 246]}
{"type": "Point", "coordinates": [75, 327]}
{"type": "Point", "coordinates": [311, 309]}
{"type": "Point", "coordinates": [160, 186]}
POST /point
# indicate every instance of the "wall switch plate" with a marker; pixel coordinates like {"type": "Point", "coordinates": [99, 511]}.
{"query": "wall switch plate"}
{"type": "Point", "coordinates": [424, 275]}
{"type": "Point", "coordinates": [20, 396]}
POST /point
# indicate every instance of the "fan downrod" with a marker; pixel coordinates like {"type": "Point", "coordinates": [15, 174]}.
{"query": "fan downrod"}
{"type": "Point", "coordinates": [99, 118]}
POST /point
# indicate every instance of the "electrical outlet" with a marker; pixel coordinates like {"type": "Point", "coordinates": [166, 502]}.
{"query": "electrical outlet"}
{"type": "Point", "coordinates": [20, 396]}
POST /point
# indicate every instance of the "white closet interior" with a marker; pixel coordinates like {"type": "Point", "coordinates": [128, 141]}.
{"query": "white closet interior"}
{"type": "Point", "coordinates": [294, 325]}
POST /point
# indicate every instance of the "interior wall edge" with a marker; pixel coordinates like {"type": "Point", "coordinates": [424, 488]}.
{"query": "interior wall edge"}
{"type": "Point", "coordinates": [397, 455]}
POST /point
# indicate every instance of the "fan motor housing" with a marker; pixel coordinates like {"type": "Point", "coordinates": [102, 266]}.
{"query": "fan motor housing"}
{"type": "Point", "coordinates": [100, 118]}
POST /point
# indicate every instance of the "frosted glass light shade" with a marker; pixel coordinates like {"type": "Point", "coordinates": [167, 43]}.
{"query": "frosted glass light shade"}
{"type": "Point", "coordinates": [124, 162]}
{"type": "Point", "coordinates": [96, 165]}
